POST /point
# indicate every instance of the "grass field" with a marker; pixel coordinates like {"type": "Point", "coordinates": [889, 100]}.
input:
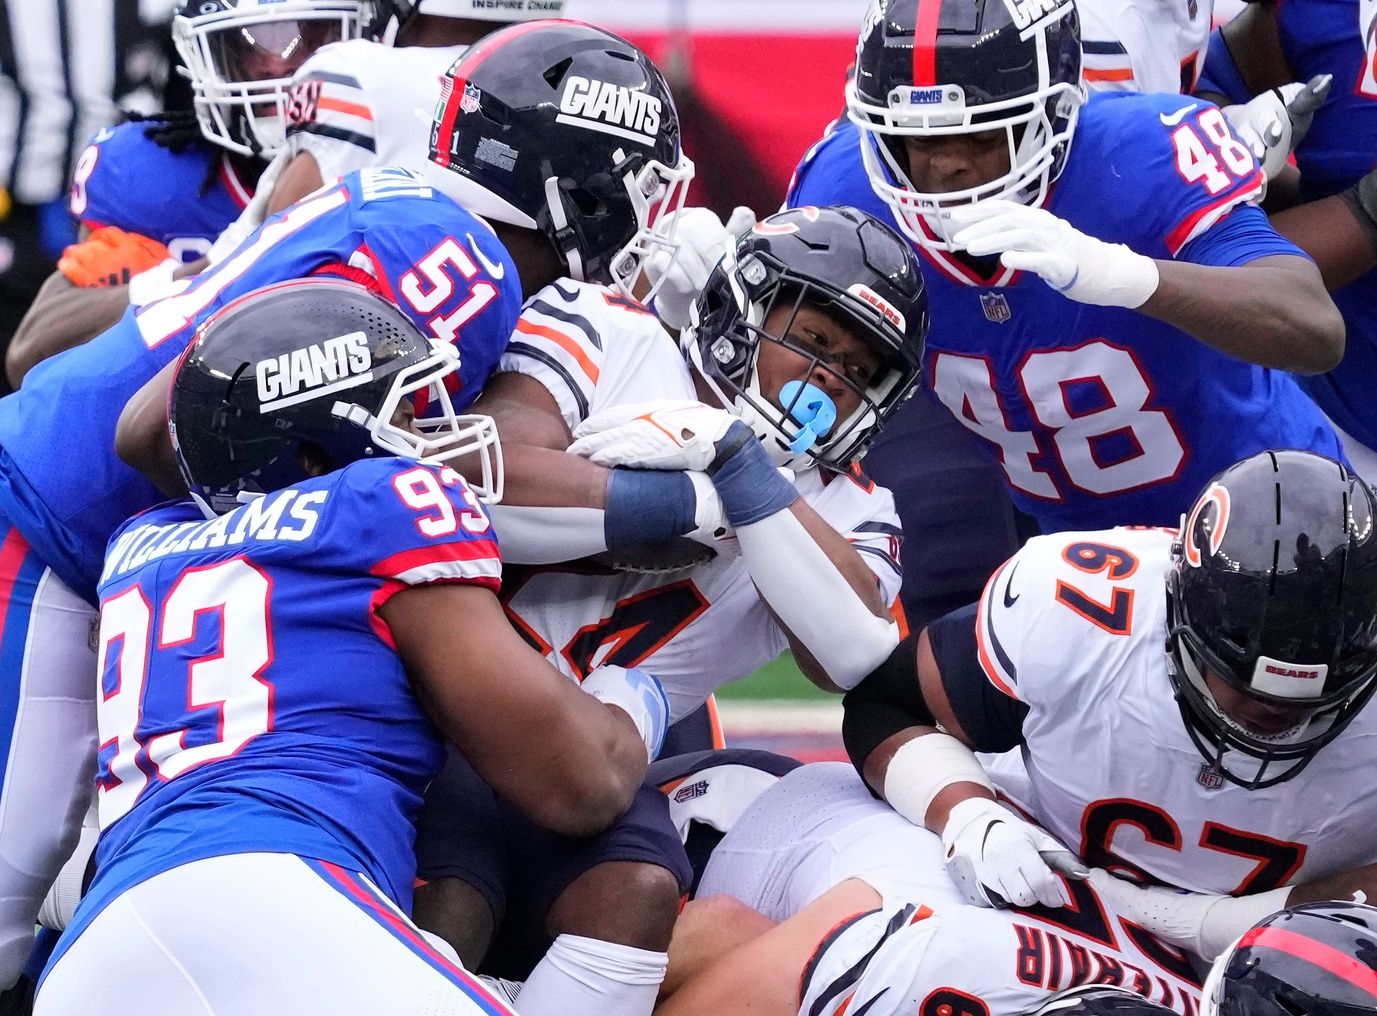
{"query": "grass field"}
{"type": "Point", "coordinates": [780, 680]}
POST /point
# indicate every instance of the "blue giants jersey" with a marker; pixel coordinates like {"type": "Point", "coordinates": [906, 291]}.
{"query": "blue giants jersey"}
{"type": "Point", "coordinates": [1324, 36]}
{"type": "Point", "coordinates": [1100, 415]}
{"type": "Point", "coordinates": [124, 178]}
{"type": "Point", "coordinates": [61, 483]}
{"type": "Point", "coordinates": [252, 699]}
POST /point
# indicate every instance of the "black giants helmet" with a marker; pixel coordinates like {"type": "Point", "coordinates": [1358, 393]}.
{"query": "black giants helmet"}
{"type": "Point", "coordinates": [1319, 959]}
{"type": "Point", "coordinates": [240, 56]}
{"type": "Point", "coordinates": [565, 128]}
{"type": "Point", "coordinates": [1099, 1000]}
{"type": "Point", "coordinates": [1274, 594]}
{"type": "Point", "coordinates": [318, 362]}
{"type": "Point", "coordinates": [936, 68]}
{"type": "Point", "coordinates": [844, 262]}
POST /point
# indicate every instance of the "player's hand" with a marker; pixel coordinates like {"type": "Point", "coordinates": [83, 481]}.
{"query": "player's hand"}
{"type": "Point", "coordinates": [1033, 239]}
{"type": "Point", "coordinates": [1274, 123]}
{"type": "Point", "coordinates": [702, 240]}
{"type": "Point", "coordinates": [640, 695]}
{"type": "Point", "coordinates": [110, 257]}
{"type": "Point", "coordinates": [667, 434]}
{"type": "Point", "coordinates": [998, 859]}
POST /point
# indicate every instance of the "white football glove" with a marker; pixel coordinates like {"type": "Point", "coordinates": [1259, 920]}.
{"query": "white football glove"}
{"type": "Point", "coordinates": [1202, 923]}
{"type": "Point", "coordinates": [998, 859]}
{"type": "Point", "coordinates": [1033, 239]}
{"type": "Point", "coordinates": [665, 434]}
{"type": "Point", "coordinates": [702, 240]}
{"type": "Point", "coordinates": [638, 694]}
{"type": "Point", "coordinates": [1274, 123]}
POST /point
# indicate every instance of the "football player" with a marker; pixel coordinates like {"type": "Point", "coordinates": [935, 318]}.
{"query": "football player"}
{"type": "Point", "coordinates": [868, 920]}
{"type": "Point", "coordinates": [1333, 215]}
{"type": "Point", "coordinates": [157, 194]}
{"type": "Point", "coordinates": [1132, 46]}
{"type": "Point", "coordinates": [1078, 329]}
{"type": "Point", "coordinates": [358, 104]}
{"type": "Point", "coordinates": [365, 103]}
{"type": "Point", "coordinates": [1181, 706]}
{"type": "Point", "coordinates": [389, 229]}
{"type": "Point", "coordinates": [277, 678]}
{"type": "Point", "coordinates": [1319, 959]}
{"type": "Point", "coordinates": [817, 312]}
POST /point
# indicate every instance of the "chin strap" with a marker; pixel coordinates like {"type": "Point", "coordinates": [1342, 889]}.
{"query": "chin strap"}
{"type": "Point", "coordinates": [565, 239]}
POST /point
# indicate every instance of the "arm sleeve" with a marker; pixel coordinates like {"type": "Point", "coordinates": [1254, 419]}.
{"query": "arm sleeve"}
{"type": "Point", "coordinates": [1244, 234]}
{"type": "Point", "coordinates": [562, 350]}
{"type": "Point", "coordinates": [410, 524]}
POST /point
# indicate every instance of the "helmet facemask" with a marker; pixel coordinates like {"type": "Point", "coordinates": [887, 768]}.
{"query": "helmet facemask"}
{"type": "Point", "coordinates": [441, 435]}
{"type": "Point", "coordinates": [1038, 129]}
{"type": "Point", "coordinates": [1261, 760]}
{"type": "Point", "coordinates": [729, 364]}
{"type": "Point", "coordinates": [238, 107]}
{"type": "Point", "coordinates": [657, 194]}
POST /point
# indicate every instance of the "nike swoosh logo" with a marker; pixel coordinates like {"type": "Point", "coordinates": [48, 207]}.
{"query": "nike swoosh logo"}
{"type": "Point", "coordinates": [497, 271]}
{"type": "Point", "coordinates": [1175, 118]}
{"type": "Point", "coordinates": [1009, 601]}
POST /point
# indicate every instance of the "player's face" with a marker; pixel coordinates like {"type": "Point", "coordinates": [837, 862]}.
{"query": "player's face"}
{"type": "Point", "coordinates": [940, 165]}
{"type": "Point", "coordinates": [830, 340]}
{"type": "Point", "coordinates": [1260, 718]}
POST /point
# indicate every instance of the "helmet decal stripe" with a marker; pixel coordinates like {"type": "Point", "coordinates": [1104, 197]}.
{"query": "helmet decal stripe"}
{"type": "Point", "coordinates": [470, 62]}
{"type": "Point", "coordinates": [925, 42]}
{"type": "Point", "coordinates": [1358, 974]}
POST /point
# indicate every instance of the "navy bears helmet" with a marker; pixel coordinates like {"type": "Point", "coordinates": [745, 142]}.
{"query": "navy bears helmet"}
{"type": "Point", "coordinates": [565, 128]}
{"type": "Point", "coordinates": [1099, 1000]}
{"type": "Point", "coordinates": [1272, 605]}
{"type": "Point", "coordinates": [322, 363]}
{"type": "Point", "coordinates": [1319, 959]}
{"type": "Point", "coordinates": [848, 264]}
{"type": "Point", "coordinates": [930, 69]}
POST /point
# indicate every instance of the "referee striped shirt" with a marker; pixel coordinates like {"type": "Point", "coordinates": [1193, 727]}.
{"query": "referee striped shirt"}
{"type": "Point", "coordinates": [66, 67]}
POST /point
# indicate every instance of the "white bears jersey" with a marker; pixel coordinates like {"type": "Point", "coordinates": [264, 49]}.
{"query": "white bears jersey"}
{"type": "Point", "coordinates": [1144, 45]}
{"type": "Point", "coordinates": [357, 104]}
{"type": "Point", "coordinates": [1074, 627]}
{"type": "Point", "coordinates": [694, 629]}
{"type": "Point", "coordinates": [925, 951]}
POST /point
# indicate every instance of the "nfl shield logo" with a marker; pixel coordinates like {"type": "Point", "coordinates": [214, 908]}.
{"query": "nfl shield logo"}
{"type": "Point", "coordinates": [469, 103]}
{"type": "Point", "coordinates": [1209, 777]}
{"type": "Point", "coordinates": [996, 307]}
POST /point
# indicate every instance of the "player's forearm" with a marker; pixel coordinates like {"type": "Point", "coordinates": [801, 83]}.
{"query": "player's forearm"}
{"type": "Point", "coordinates": [821, 591]}
{"type": "Point", "coordinates": [61, 316]}
{"type": "Point", "coordinates": [1273, 312]}
{"type": "Point", "coordinates": [1330, 233]}
{"type": "Point", "coordinates": [1355, 884]}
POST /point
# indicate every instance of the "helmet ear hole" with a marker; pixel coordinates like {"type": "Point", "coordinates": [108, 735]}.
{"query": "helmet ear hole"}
{"type": "Point", "coordinates": [313, 459]}
{"type": "Point", "coordinates": [585, 201]}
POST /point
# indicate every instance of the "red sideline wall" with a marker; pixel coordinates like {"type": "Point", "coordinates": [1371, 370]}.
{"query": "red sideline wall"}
{"type": "Point", "coordinates": [757, 81]}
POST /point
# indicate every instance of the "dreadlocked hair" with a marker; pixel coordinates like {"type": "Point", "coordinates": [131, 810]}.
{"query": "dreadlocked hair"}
{"type": "Point", "coordinates": [176, 130]}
